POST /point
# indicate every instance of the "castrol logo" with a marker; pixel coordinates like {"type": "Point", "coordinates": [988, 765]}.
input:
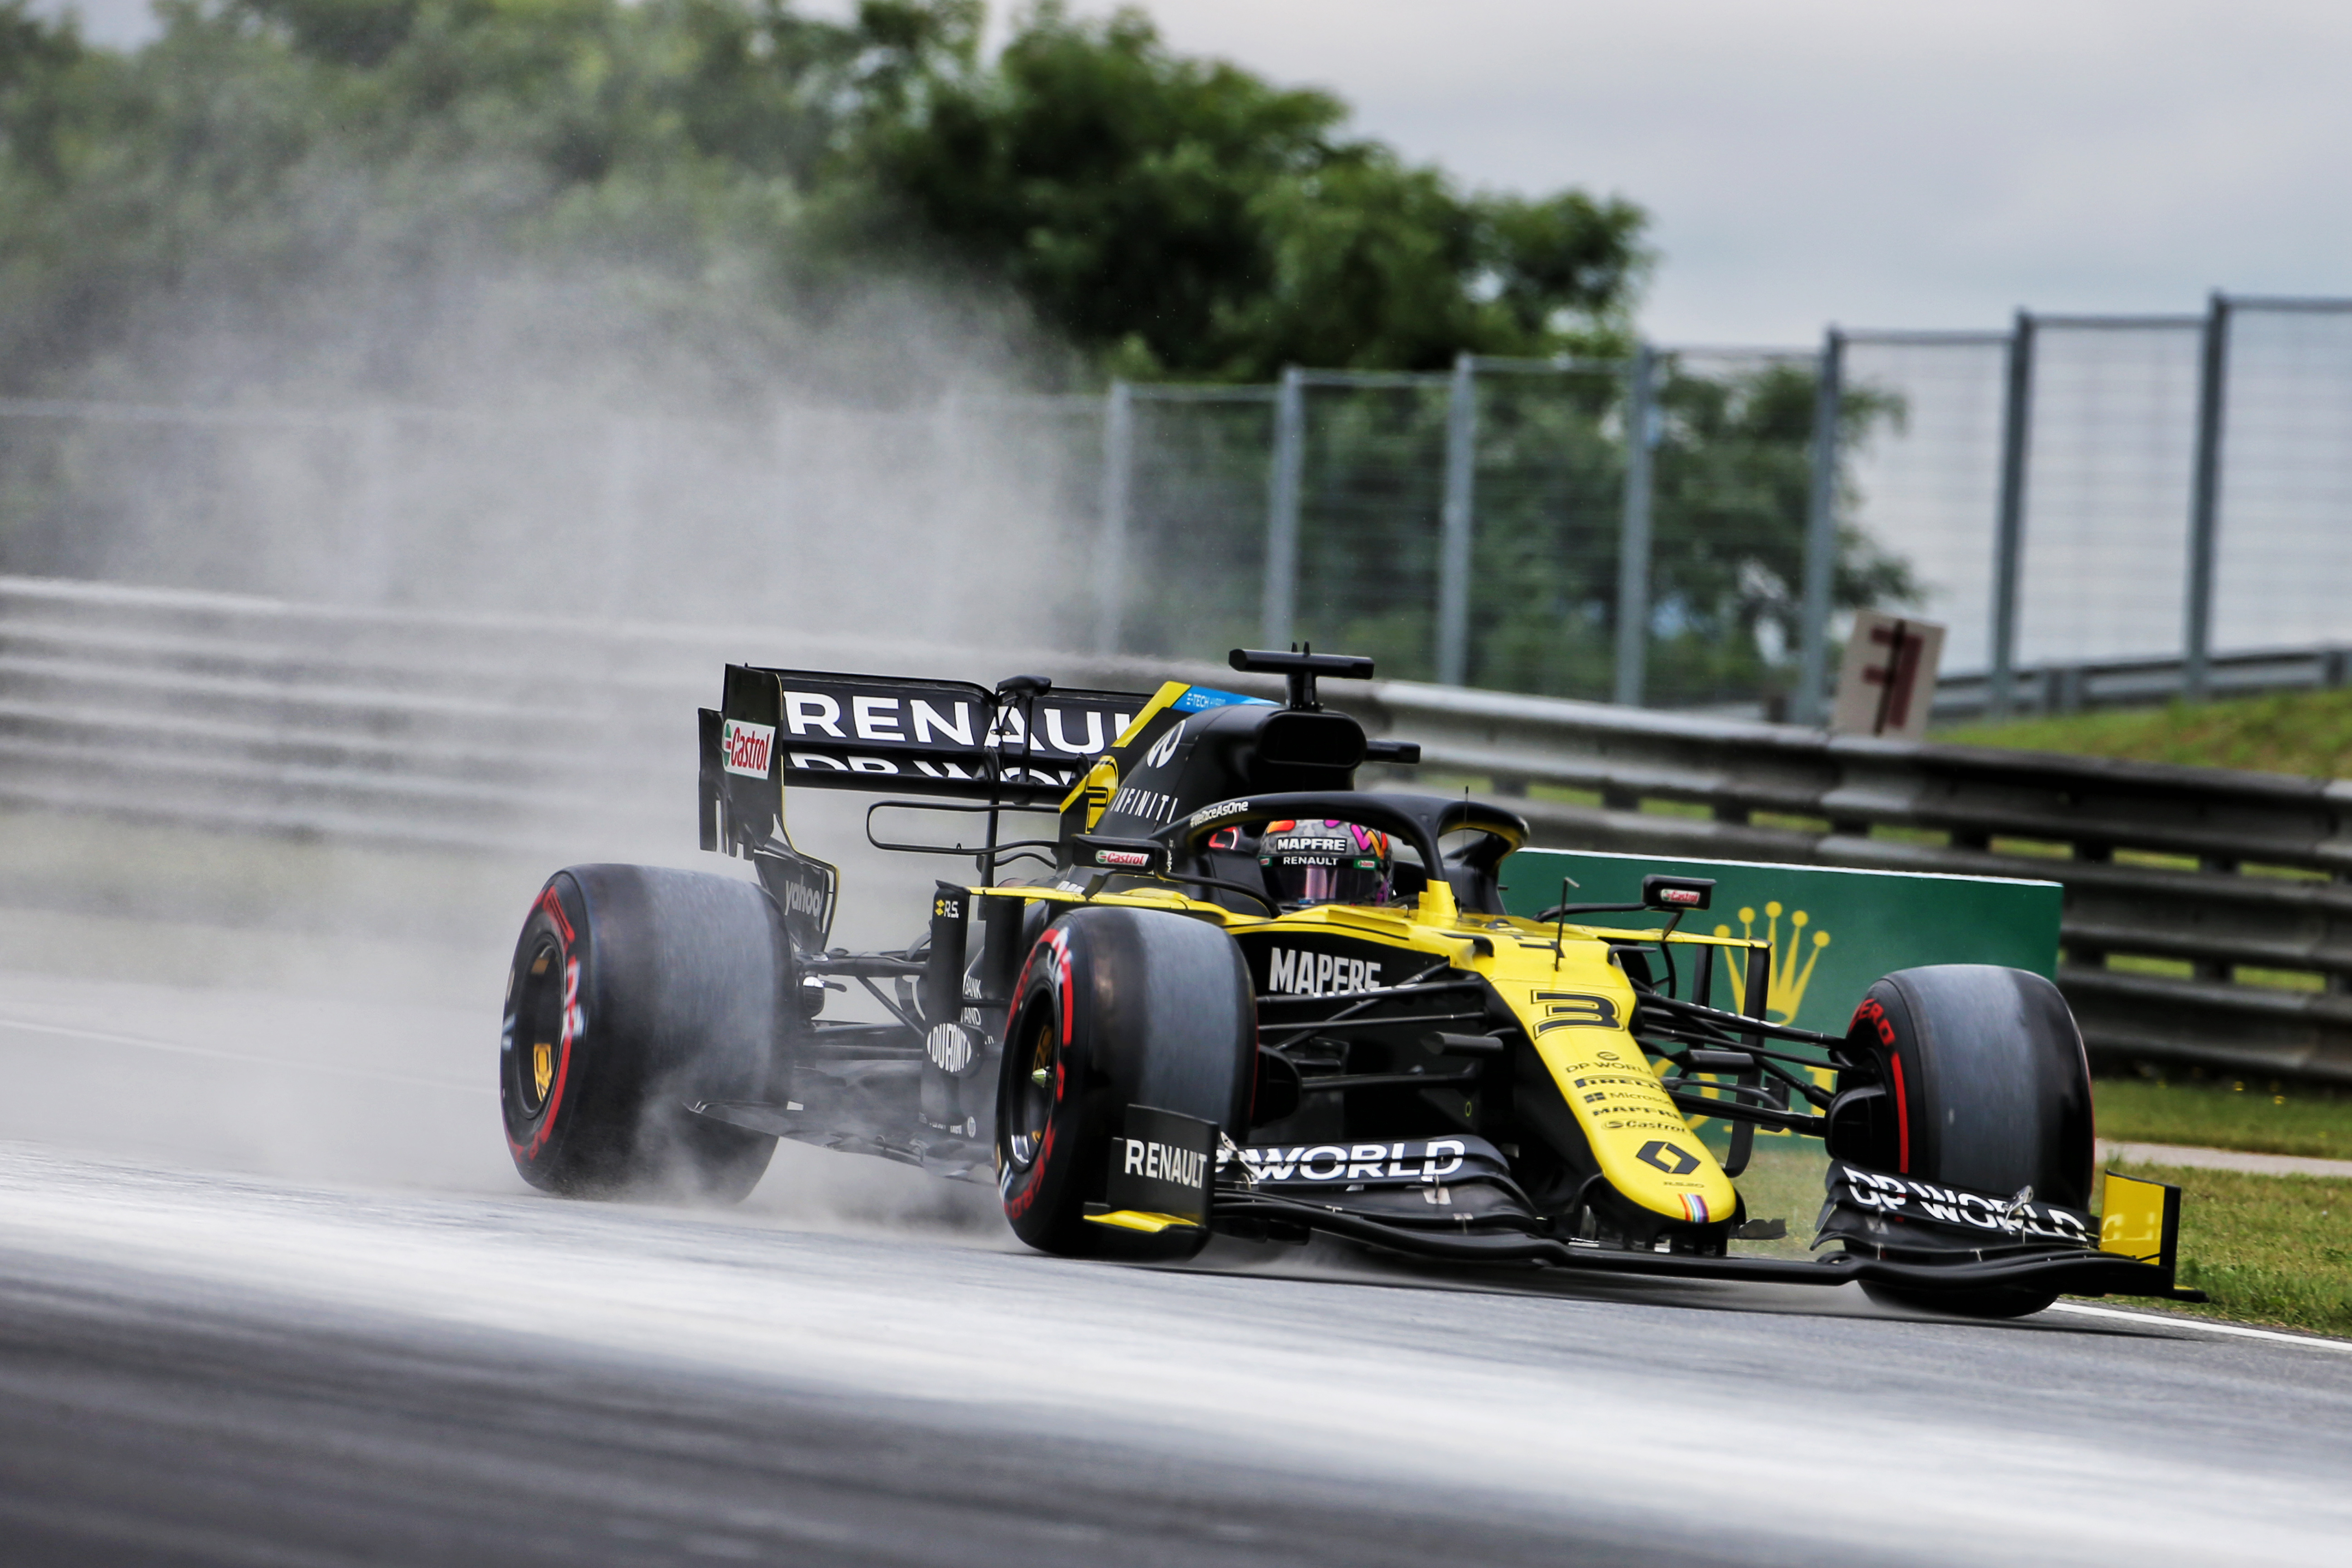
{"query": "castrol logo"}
{"type": "Point", "coordinates": [746, 747]}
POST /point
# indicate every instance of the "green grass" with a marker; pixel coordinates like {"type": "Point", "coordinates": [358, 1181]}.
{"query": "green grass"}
{"type": "Point", "coordinates": [2267, 1250]}
{"type": "Point", "coordinates": [1783, 1182]}
{"type": "Point", "coordinates": [2263, 1116]}
{"type": "Point", "coordinates": [2308, 733]}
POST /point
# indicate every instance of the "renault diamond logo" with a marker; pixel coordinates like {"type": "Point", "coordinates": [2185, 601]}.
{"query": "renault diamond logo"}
{"type": "Point", "coordinates": [1666, 1157]}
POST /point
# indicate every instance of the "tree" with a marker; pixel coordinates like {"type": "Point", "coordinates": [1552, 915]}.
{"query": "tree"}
{"type": "Point", "coordinates": [1180, 216]}
{"type": "Point", "coordinates": [1158, 215]}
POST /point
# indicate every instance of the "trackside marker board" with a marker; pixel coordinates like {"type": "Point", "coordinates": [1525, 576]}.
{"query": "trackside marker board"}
{"type": "Point", "coordinates": [1832, 930]}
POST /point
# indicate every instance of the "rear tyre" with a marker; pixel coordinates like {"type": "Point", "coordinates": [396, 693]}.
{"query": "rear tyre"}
{"type": "Point", "coordinates": [1987, 1088]}
{"type": "Point", "coordinates": [635, 992]}
{"type": "Point", "coordinates": [1115, 1007]}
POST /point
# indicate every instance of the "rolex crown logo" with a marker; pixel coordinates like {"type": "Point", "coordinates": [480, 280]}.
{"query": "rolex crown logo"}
{"type": "Point", "coordinates": [1792, 961]}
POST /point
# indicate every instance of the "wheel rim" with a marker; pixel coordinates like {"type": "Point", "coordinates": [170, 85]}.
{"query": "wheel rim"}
{"type": "Point", "coordinates": [1033, 1093]}
{"type": "Point", "coordinates": [537, 1027]}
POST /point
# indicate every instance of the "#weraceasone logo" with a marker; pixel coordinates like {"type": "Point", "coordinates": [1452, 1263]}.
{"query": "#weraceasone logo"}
{"type": "Point", "coordinates": [1792, 962]}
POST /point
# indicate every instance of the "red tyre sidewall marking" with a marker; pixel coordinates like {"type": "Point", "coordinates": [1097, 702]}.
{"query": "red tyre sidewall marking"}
{"type": "Point", "coordinates": [1057, 944]}
{"type": "Point", "coordinates": [1870, 1012]}
{"type": "Point", "coordinates": [1901, 1122]}
{"type": "Point", "coordinates": [575, 1022]}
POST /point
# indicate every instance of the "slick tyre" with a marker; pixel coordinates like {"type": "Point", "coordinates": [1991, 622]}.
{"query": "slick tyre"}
{"type": "Point", "coordinates": [636, 992]}
{"type": "Point", "coordinates": [1988, 1087]}
{"type": "Point", "coordinates": [1115, 1007]}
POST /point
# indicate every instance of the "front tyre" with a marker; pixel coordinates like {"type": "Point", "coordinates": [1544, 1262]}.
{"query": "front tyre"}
{"type": "Point", "coordinates": [635, 992]}
{"type": "Point", "coordinates": [1115, 1007]}
{"type": "Point", "coordinates": [1987, 1088]}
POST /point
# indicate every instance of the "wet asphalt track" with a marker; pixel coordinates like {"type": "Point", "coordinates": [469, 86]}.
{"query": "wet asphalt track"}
{"type": "Point", "coordinates": [278, 1367]}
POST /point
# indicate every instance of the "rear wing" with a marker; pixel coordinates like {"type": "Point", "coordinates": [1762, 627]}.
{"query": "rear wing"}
{"type": "Point", "coordinates": [1019, 745]}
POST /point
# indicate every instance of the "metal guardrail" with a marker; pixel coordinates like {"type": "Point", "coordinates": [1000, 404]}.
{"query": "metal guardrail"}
{"type": "Point", "coordinates": [477, 733]}
{"type": "Point", "coordinates": [449, 730]}
{"type": "Point", "coordinates": [2145, 682]}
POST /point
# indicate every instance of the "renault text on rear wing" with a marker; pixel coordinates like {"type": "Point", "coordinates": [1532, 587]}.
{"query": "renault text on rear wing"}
{"type": "Point", "coordinates": [809, 728]}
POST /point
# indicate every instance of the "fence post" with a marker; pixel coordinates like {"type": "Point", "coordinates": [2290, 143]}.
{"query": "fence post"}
{"type": "Point", "coordinates": [1634, 540]}
{"type": "Point", "coordinates": [1282, 510]}
{"type": "Point", "coordinates": [2204, 507]}
{"type": "Point", "coordinates": [1117, 484]}
{"type": "Point", "coordinates": [1821, 534]}
{"type": "Point", "coordinates": [1454, 546]}
{"type": "Point", "coordinates": [2008, 537]}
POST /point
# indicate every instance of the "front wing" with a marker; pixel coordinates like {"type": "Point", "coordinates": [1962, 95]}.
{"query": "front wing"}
{"type": "Point", "coordinates": [2072, 1271]}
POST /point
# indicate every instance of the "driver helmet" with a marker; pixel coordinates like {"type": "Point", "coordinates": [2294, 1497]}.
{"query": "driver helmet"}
{"type": "Point", "coordinates": [1326, 862]}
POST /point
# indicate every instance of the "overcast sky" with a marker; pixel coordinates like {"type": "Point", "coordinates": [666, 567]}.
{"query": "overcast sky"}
{"type": "Point", "coordinates": [1900, 162]}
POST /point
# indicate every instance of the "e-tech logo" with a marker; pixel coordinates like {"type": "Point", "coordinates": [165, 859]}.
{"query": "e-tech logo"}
{"type": "Point", "coordinates": [746, 748]}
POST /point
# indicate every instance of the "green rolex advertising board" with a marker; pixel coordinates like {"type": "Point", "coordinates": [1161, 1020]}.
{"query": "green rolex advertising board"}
{"type": "Point", "coordinates": [1832, 930]}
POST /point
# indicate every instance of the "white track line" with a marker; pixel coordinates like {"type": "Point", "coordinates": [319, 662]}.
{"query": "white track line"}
{"type": "Point", "coordinates": [177, 1050]}
{"type": "Point", "coordinates": [2221, 1160]}
{"type": "Point", "coordinates": [2309, 1341]}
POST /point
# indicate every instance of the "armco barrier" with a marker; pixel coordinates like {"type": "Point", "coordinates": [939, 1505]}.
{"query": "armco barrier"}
{"type": "Point", "coordinates": [451, 730]}
{"type": "Point", "coordinates": [469, 731]}
{"type": "Point", "coordinates": [2145, 682]}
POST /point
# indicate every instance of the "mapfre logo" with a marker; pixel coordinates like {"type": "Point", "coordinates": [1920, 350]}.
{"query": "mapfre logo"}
{"type": "Point", "coordinates": [746, 748]}
{"type": "Point", "coordinates": [1289, 973]}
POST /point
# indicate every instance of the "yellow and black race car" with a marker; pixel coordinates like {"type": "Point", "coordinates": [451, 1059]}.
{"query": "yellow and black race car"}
{"type": "Point", "coordinates": [1231, 993]}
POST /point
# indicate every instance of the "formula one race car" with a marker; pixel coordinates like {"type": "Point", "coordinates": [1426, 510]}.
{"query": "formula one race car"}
{"type": "Point", "coordinates": [1234, 994]}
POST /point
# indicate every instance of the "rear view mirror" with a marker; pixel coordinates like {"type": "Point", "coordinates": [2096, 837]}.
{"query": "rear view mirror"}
{"type": "Point", "coordinates": [1132, 856]}
{"type": "Point", "coordinates": [1678, 893]}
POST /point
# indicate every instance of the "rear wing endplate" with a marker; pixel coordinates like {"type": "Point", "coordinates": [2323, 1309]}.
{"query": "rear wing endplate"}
{"type": "Point", "coordinates": [889, 733]}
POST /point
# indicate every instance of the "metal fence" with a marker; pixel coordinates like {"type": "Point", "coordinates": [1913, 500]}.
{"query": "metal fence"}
{"type": "Point", "coordinates": [2077, 492]}
{"type": "Point", "coordinates": [2098, 507]}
